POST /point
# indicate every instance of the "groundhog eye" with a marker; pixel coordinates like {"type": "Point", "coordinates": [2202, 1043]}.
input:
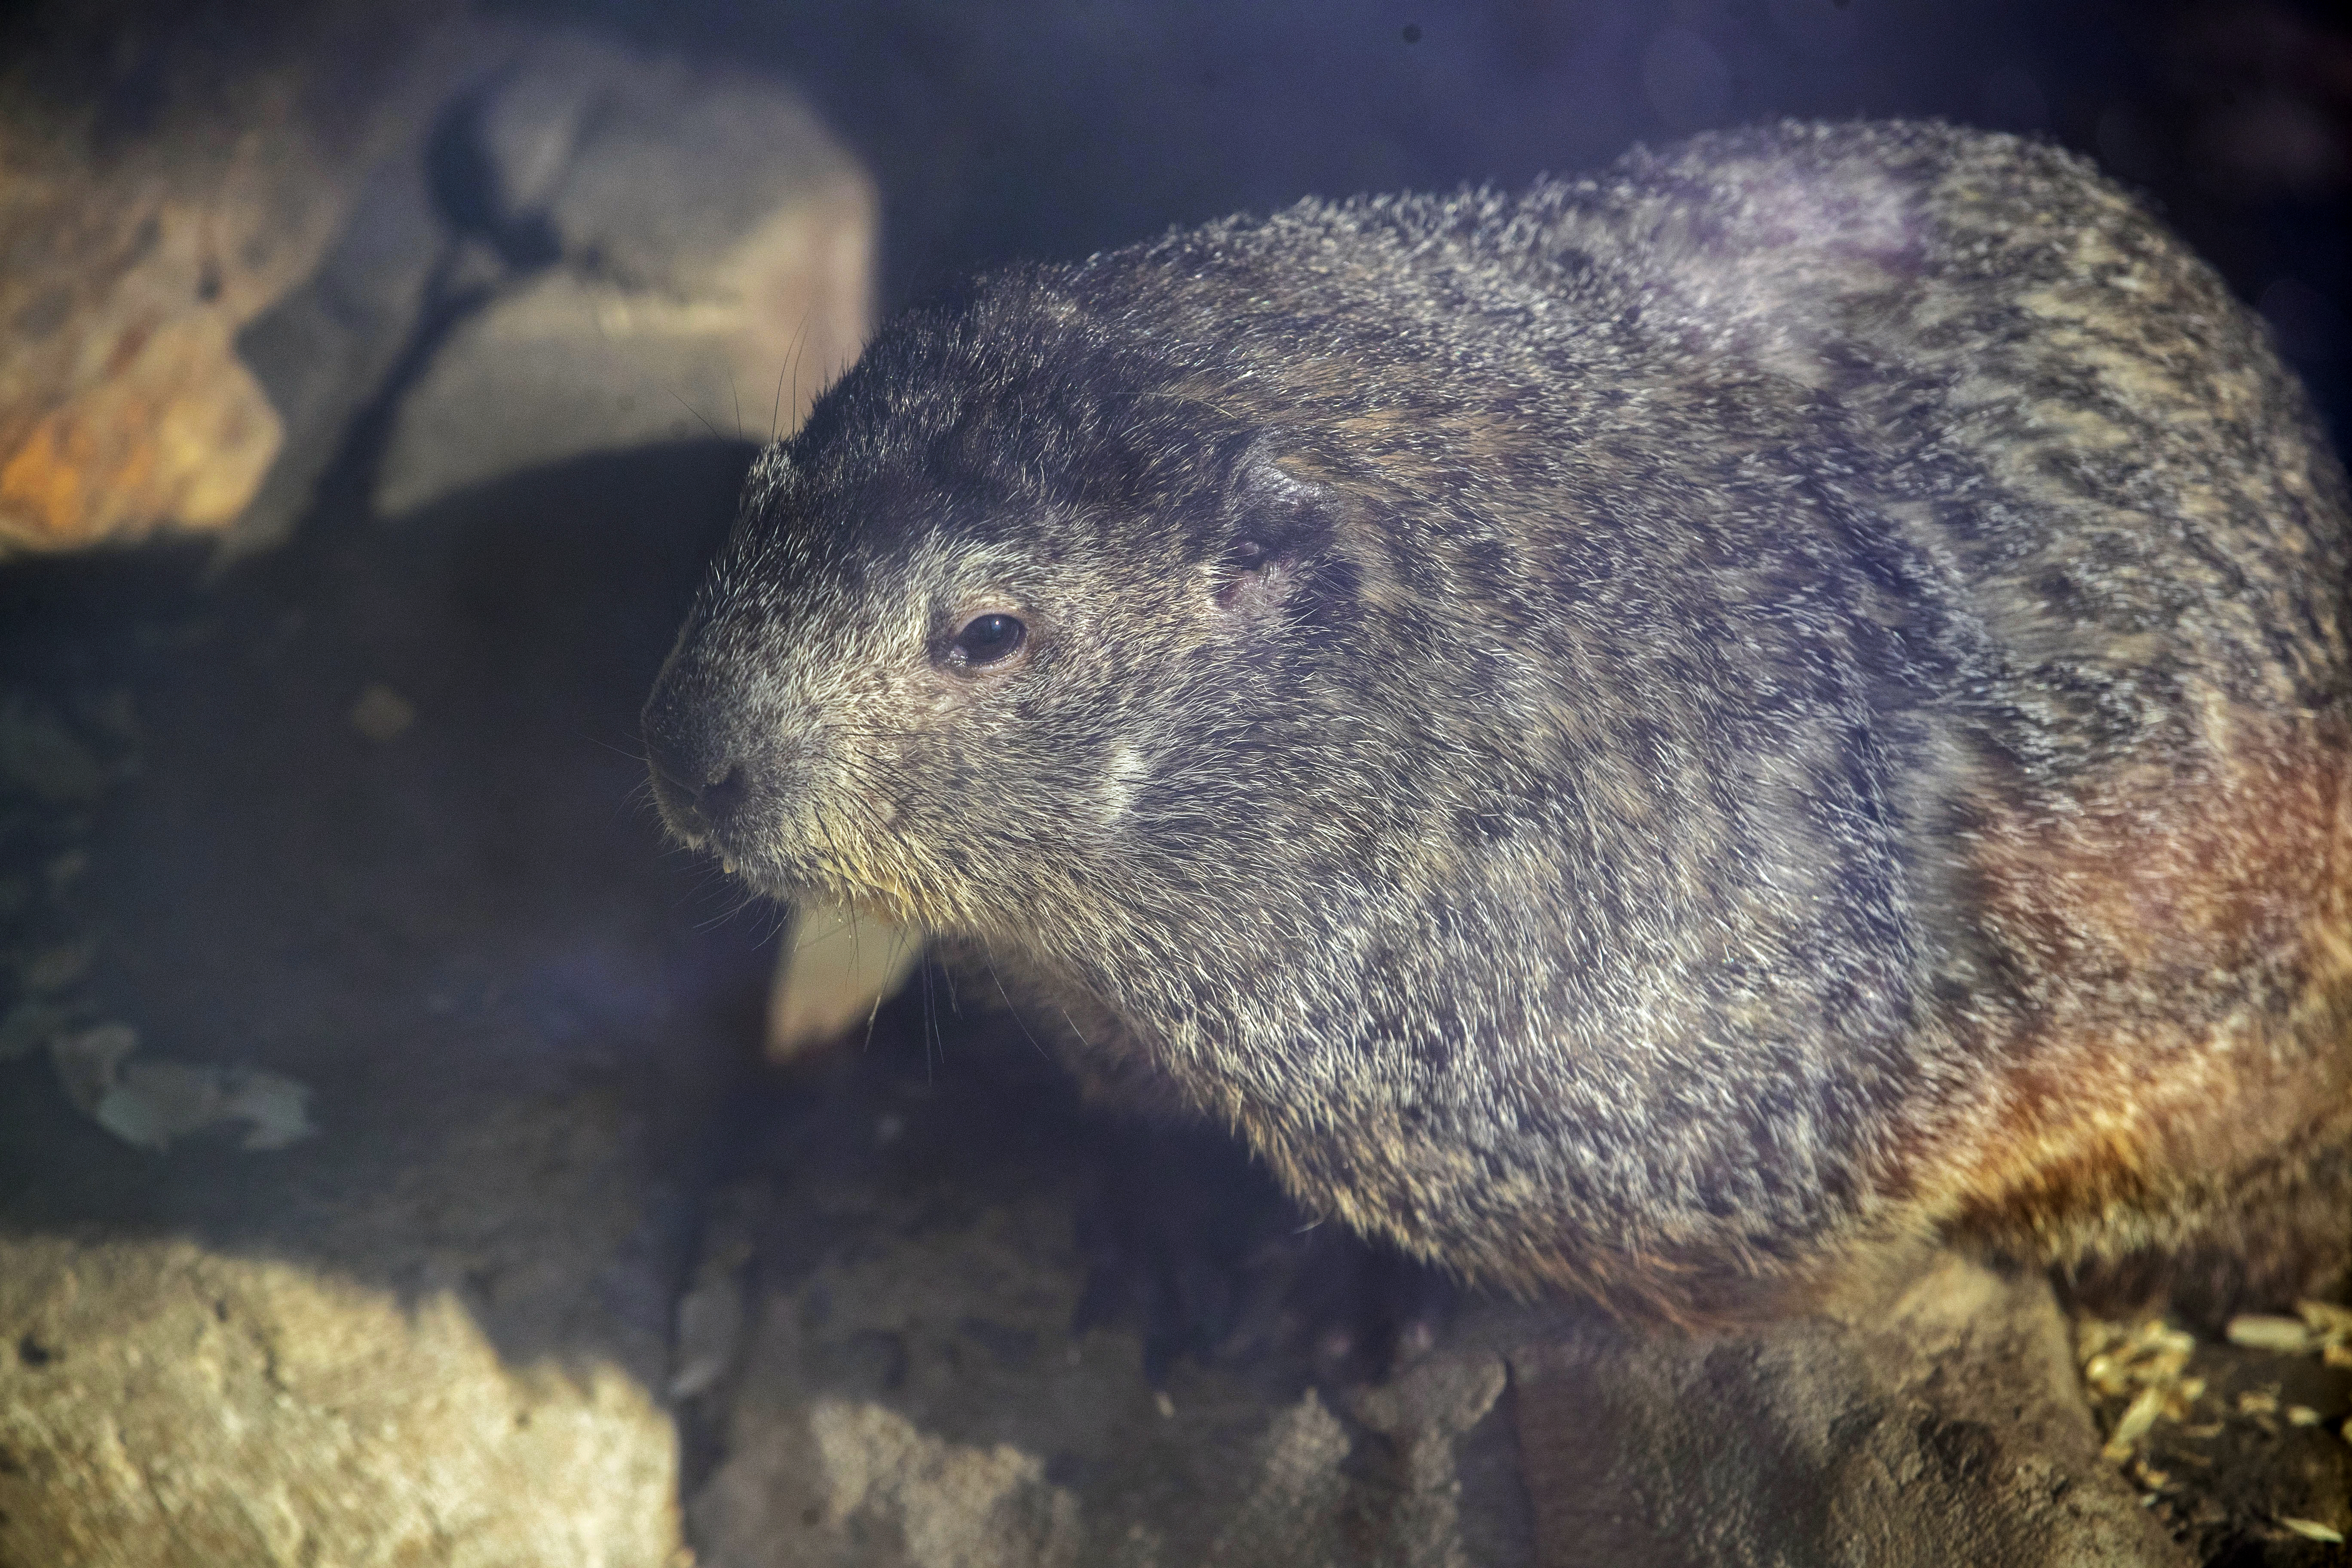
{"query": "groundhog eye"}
{"type": "Point", "coordinates": [1246, 556]}
{"type": "Point", "coordinates": [985, 640]}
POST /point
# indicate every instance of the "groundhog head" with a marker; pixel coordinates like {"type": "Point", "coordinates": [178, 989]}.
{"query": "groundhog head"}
{"type": "Point", "coordinates": [1020, 630]}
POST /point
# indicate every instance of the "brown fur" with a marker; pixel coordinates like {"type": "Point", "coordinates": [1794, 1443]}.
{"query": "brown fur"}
{"type": "Point", "coordinates": [2189, 941]}
{"type": "Point", "coordinates": [1676, 737]}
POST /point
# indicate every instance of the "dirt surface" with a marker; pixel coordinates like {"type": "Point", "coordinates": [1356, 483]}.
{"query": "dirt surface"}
{"type": "Point", "coordinates": [477, 905]}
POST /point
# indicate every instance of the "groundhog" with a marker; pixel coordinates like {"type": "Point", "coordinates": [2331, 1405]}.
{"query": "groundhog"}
{"type": "Point", "coordinates": [1665, 737]}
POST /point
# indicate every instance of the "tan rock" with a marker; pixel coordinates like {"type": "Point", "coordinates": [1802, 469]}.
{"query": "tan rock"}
{"type": "Point", "coordinates": [163, 1405]}
{"type": "Point", "coordinates": [713, 251]}
{"type": "Point", "coordinates": [835, 969]}
{"type": "Point", "coordinates": [181, 436]}
{"type": "Point", "coordinates": [190, 323]}
{"type": "Point", "coordinates": [1942, 1429]}
{"type": "Point", "coordinates": [915, 1400]}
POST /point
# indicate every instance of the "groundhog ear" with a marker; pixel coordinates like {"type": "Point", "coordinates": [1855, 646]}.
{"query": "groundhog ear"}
{"type": "Point", "coordinates": [1276, 522]}
{"type": "Point", "coordinates": [1273, 507]}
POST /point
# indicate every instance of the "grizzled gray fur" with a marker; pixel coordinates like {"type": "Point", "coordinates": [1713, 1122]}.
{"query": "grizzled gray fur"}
{"type": "Point", "coordinates": [1658, 736]}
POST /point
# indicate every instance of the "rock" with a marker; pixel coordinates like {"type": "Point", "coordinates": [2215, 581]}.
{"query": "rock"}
{"type": "Point", "coordinates": [43, 758]}
{"type": "Point", "coordinates": [88, 1061]}
{"type": "Point", "coordinates": [836, 967]}
{"type": "Point", "coordinates": [1450, 1443]}
{"type": "Point", "coordinates": [149, 1101]}
{"type": "Point", "coordinates": [125, 404]}
{"type": "Point", "coordinates": [48, 970]}
{"type": "Point", "coordinates": [135, 267]}
{"type": "Point", "coordinates": [324, 350]}
{"type": "Point", "coordinates": [436, 1332]}
{"type": "Point", "coordinates": [1949, 1430]}
{"type": "Point", "coordinates": [204, 317]}
{"type": "Point", "coordinates": [707, 252]}
{"type": "Point", "coordinates": [381, 714]}
{"type": "Point", "coordinates": [30, 1025]}
{"type": "Point", "coordinates": [916, 1397]}
{"type": "Point", "coordinates": [163, 1404]}
{"type": "Point", "coordinates": [154, 1103]}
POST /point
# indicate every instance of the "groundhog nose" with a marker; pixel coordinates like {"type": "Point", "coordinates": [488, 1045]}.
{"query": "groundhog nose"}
{"type": "Point", "coordinates": [723, 796]}
{"type": "Point", "coordinates": [699, 785]}
{"type": "Point", "coordinates": [699, 810]}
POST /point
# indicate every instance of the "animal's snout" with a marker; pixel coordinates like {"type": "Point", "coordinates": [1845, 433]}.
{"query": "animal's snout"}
{"type": "Point", "coordinates": [720, 799]}
{"type": "Point", "coordinates": [696, 795]}
{"type": "Point", "coordinates": [699, 812]}
{"type": "Point", "coordinates": [701, 776]}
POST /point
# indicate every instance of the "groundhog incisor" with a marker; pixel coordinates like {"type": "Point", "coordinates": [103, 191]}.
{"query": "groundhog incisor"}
{"type": "Point", "coordinates": [1663, 736]}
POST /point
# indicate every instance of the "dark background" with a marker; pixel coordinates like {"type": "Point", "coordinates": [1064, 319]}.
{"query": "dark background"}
{"type": "Point", "coordinates": [1000, 128]}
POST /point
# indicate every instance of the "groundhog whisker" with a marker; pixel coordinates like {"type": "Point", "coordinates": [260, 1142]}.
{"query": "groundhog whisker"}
{"type": "Point", "coordinates": [682, 403]}
{"type": "Point", "coordinates": [989, 958]}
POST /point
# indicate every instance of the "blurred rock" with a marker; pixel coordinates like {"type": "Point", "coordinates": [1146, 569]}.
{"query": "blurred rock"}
{"type": "Point", "coordinates": [707, 251]}
{"type": "Point", "coordinates": [154, 1102]}
{"type": "Point", "coordinates": [43, 758]}
{"type": "Point", "coordinates": [52, 969]}
{"type": "Point", "coordinates": [1949, 1430]}
{"type": "Point", "coordinates": [324, 351]}
{"type": "Point", "coordinates": [381, 714]}
{"type": "Point", "coordinates": [135, 263]}
{"type": "Point", "coordinates": [835, 967]}
{"type": "Point", "coordinates": [122, 404]}
{"type": "Point", "coordinates": [203, 318]}
{"type": "Point", "coordinates": [30, 1025]}
{"type": "Point", "coordinates": [88, 1061]}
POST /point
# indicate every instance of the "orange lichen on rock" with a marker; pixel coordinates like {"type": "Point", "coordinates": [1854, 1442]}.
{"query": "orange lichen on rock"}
{"type": "Point", "coordinates": [181, 436]}
{"type": "Point", "coordinates": [124, 407]}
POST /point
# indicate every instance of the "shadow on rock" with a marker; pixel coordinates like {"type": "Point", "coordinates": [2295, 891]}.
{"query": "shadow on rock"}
{"type": "Point", "coordinates": [377, 833]}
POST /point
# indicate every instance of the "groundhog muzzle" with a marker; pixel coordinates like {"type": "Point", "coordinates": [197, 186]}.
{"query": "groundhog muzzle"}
{"type": "Point", "coordinates": [1663, 736]}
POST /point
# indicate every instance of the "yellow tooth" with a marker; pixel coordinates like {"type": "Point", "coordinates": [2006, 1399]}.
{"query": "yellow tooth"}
{"type": "Point", "coordinates": [726, 865]}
